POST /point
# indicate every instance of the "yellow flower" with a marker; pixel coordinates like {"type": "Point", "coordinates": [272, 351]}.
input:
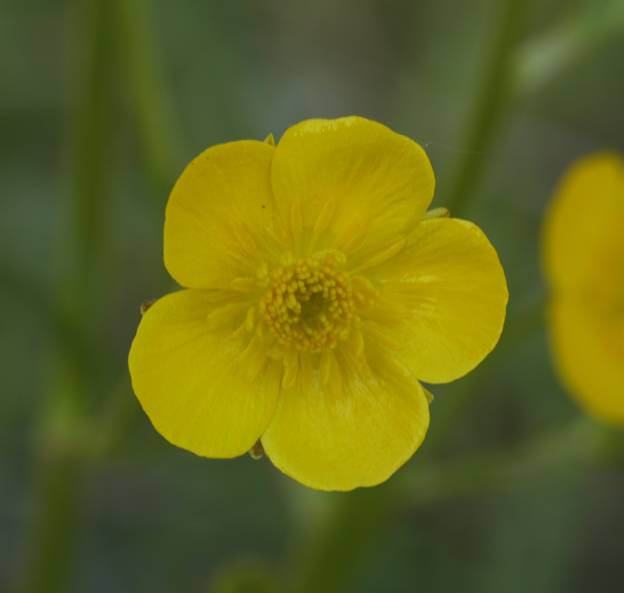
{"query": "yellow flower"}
{"type": "Point", "coordinates": [319, 296]}
{"type": "Point", "coordinates": [584, 264]}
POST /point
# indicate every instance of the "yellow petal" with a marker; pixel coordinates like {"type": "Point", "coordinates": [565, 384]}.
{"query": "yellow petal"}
{"type": "Point", "coordinates": [583, 241]}
{"type": "Point", "coordinates": [355, 430]}
{"type": "Point", "coordinates": [588, 349]}
{"type": "Point", "coordinates": [443, 299]}
{"type": "Point", "coordinates": [193, 377]}
{"type": "Point", "coordinates": [350, 182]}
{"type": "Point", "coordinates": [218, 213]}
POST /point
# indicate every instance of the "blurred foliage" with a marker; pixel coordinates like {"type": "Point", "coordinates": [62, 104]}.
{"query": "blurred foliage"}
{"type": "Point", "coordinates": [245, 578]}
{"type": "Point", "coordinates": [102, 103]}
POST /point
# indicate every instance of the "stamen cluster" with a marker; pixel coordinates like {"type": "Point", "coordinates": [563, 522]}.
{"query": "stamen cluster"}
{"type": "Point", "coordinates": [309, 304]}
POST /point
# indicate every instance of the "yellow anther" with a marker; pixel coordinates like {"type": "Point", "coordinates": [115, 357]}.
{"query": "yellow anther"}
{"type": "Point", "coordinates": [309, 304]}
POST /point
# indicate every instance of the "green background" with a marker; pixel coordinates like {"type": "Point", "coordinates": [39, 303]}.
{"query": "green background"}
{"type": "Point", "coordinates": [102, 103]}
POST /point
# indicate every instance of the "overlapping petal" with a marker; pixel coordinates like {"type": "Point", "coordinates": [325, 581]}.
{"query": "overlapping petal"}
{"type": "Point", "coordinates": [218, 214]}
{"type": "Point", "coordinates": [191, 375]}
{"type": "Point", "coordinates": [357, 430]}
{"type": "Point", "coordinates": [588, 348]}
{"type": "Point", "coordinates": [583, 245]}
{"type": "Point", "coordinates": [443, 299]}
{"type": "Point", "coordinates": [349, 184]}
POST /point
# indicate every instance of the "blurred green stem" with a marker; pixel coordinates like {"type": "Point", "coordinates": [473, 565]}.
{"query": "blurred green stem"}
{"type": "Point", "coordinates": [60, 464]}
{"type": "Point", "coordinates": [152, 115]}
{"type": "Point", "coordinates": [114, 39]}
{"type": "Point", "coordinates": [55, 523]}
{"type": "Point", "coordinates": [589, 24]}
{"type": "Point", "coordinates": [92, 126]}
{"type": "Point", "coordinates": [515, 71]}
{"type": "Point", "coordinates": [150, 106]}
{"type": "Point", "coordinates": [160, 148]}
{"type": "Point", "coordinates": [491, 100]}
{"type": "Point", "coordinates": [334, 546]}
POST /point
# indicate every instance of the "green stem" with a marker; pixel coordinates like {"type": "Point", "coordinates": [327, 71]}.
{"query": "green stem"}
{"type": "Point", "coordinates": [115, 36]}
{"type": "Point", "coordinates": [52, 547]}
{"type": "Point", "coordinates": [58, 481]}
{"type": "Point", "coordinates": [153, 117]}
{"type": "Point", "coordinates": [332, 551]}
{"type": "Point", "coordinates": [150, 106]}
{"type": "Point", "coordinates": [92, 128]}
{"type": "Point", "coordinates": [515, 71]}
{"type": "Point", "coordinates": [152, 114]}
{"type": "Point", "coordinates": [588, 25]}
{"type": "Point", "coordinates": [531, 65]}
{"type": "Point", "coordinates": [492, 97]}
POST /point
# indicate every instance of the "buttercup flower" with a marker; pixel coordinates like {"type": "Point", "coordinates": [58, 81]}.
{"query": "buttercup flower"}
{"type": "Point", "coordinates": [584, 264]}
{"type": "Point", "coordinates": [318, 295]}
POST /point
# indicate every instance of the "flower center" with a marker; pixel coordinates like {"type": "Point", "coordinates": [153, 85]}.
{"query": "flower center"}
{"type": "Point", "coordinates": [309, 304]}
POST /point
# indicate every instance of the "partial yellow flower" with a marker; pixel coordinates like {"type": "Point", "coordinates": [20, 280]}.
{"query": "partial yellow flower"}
{"type": "Point", "coordinates": [318, 297]}
{"type": "Point", "coordinates": [584, 264]}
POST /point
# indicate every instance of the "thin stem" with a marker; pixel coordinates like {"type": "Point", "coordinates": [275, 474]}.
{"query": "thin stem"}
{"type": "Point", "coordinates": [55, 518]}
{"type": "Point", "coordinates": [92, 126]}
{"type": "Point", "coordinates": [334, 548]}
{"type": "Point", "coordinates": [515, 71]}
{"type": "Point", "coordinates": [493, 93]}
{"type": "Point", "coordinates": [587, 26]}
{"type": "Point", "coordinates": [151, 111]}
{"type": "Point", "coordinates": [59, 468]}
{"type": "Point", "coordinates": [110, 29]}
{"type": "Point", "coordinates": [150, 106]}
